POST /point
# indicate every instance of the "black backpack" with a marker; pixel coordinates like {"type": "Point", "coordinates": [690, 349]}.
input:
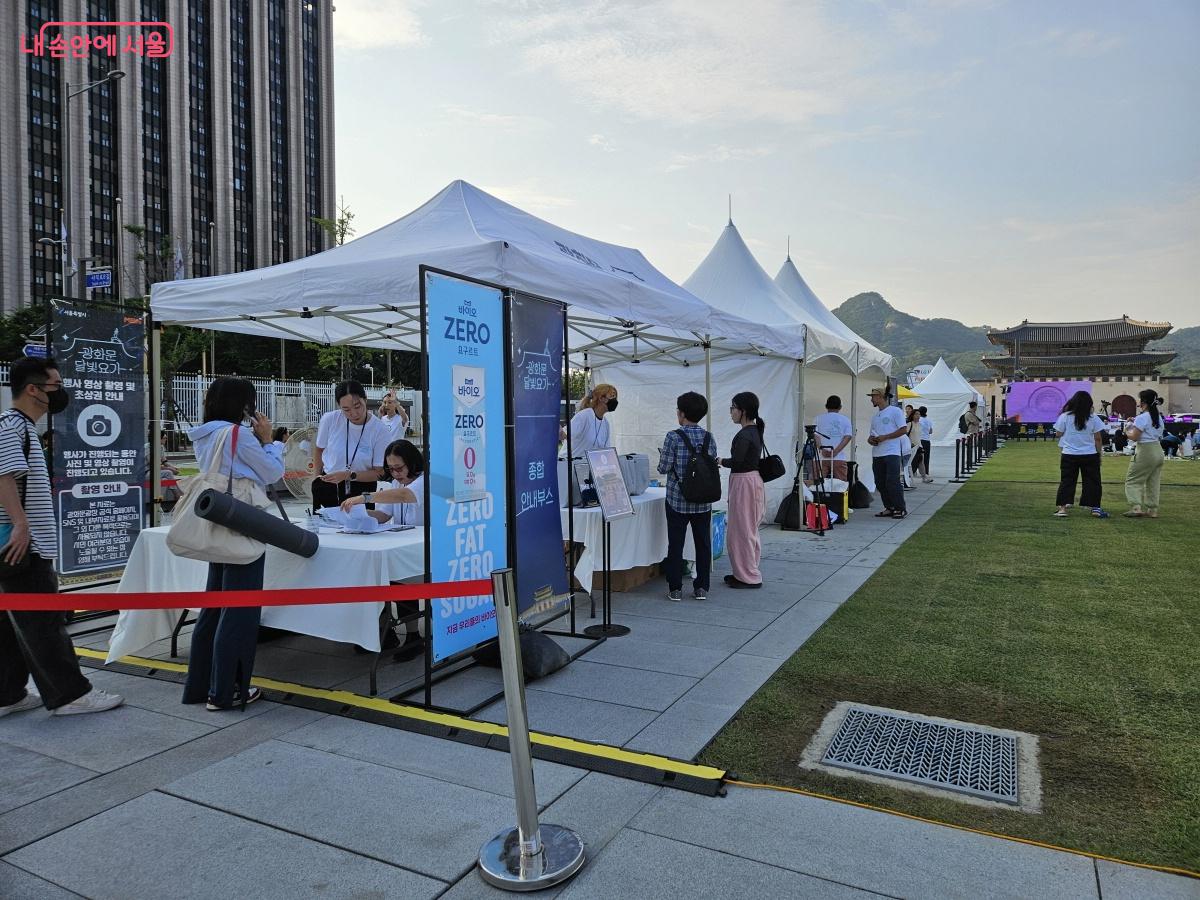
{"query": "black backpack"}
{"type": "Point", "coordinates": [701, 479]}
{"type": "Point", "coordinates": [962, 424]}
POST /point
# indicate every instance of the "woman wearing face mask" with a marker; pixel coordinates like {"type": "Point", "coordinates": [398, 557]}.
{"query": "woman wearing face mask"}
{"type": "Point", "coordinates": [589, 428]}
{"type": "Point", "coordinates": [224, 641]}
{"type": "Point", "coordinates": [350, 448]}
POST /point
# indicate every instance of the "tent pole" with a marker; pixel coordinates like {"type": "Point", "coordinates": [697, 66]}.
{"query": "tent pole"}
{"type": "Point", "coordinates": [155, 398]}
{"type": "Point", "coordinates": [800, 406]}
{"type": "Point", "coordinates": [708, 379]}
{"type": "Point", "coordinates": [854, 406]}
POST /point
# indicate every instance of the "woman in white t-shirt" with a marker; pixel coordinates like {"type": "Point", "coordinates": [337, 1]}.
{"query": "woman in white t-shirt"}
{"type": "Point", "coordinates": [350, 448]}
{"type": "Point", "coordinates": [1079, 432]}
{"type": "Point", "coordinates": [1145, 471]}
{"type": "Point", "coordinates": [589, 428]}
{"type": "Point", "coordinates": [403, 503]}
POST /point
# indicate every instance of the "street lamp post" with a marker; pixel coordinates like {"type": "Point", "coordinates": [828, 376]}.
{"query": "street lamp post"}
{"type": "Point", "coordinates": [111, 78]}
{"type": "Point", "coordinates": [370, 368]}
{"type": "Point", "coordinates": [62, 262]}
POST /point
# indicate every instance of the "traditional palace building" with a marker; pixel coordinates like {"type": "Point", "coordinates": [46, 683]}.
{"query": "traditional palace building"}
{"type": "Point", "coordinates": [1110, 354]}
{"type": "Point", "coordinates": [1114, 347]}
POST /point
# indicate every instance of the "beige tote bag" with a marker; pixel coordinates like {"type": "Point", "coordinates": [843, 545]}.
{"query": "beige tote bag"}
{"type": "Point", "coordinates": [196, 538]}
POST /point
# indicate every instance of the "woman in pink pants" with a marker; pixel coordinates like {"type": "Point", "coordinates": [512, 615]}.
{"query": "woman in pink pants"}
{"type": "Point", "coordinates": [747, 496]}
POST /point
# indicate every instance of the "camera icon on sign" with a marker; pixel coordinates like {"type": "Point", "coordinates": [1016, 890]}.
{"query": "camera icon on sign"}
{"type": "Point", "coordinates": [98, 426]}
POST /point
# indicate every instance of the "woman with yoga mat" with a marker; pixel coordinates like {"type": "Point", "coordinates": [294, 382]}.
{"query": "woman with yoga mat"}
{"type": "Point", "coordinates": [224, 641]}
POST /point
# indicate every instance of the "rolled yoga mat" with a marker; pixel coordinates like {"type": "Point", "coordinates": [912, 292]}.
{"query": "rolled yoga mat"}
{"type": "Point", "coordinates": [227, 510]}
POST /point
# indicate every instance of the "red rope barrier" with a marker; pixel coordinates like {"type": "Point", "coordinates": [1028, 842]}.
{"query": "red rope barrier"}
{"type": "Point", "coordinates": [366, 593]}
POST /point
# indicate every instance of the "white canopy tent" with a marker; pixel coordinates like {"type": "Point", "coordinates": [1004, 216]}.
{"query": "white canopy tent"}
{"type": "Point", "coordinates": [621, 310]}
{"type": "Point", "coordinates": [791, 282]}
{"type": "Point", "coordinates": [790, 392]}
{"type": "Point", "coordinates": [946, 398]}
{"type": "Point", "coordinates": [970, 387]}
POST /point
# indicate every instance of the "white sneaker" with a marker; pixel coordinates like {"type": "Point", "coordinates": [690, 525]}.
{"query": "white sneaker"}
{"type": "Point", "coordinates": [94, 700]}
{"type": "Point", "coordinates": [31, 700]}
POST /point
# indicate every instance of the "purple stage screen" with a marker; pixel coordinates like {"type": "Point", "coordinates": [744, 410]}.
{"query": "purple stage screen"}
{"type": "Point", "coordinates": [1040, 401]}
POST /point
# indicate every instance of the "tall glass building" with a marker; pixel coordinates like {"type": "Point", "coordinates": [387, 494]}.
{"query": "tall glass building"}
{"type": "Point", "coordinates": [222, 150]}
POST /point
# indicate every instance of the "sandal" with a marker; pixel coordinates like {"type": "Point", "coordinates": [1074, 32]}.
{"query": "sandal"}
{"type": "Point", "coordinates": [1061, 514]}
{"type": "Point", "coordinates": [886, 514]}
{"type": "Point", "coordinates": [900, 514]}
{"type": "Point", "coordinates": [1099, 513]}
{"type": "Point", "coordinates": [1134, 514]}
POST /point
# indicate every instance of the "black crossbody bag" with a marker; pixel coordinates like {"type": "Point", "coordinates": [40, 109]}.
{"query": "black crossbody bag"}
{"type": "Point", "coordinates": [770, 466]}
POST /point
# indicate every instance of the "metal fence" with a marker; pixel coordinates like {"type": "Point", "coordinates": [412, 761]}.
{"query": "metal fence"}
{"type": "Point", "coordinates": [286, 401]}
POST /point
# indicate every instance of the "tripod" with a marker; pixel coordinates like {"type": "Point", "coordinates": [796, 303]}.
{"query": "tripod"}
{"type": "Point", "coordinates": [810, 455]}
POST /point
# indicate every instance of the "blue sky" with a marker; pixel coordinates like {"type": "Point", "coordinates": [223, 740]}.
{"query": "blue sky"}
{"type": "Point", "coordinates": [985, 161]}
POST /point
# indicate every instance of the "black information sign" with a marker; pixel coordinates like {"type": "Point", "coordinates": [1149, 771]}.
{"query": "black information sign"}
{"type": "Point", "coordinates": [100, 440]}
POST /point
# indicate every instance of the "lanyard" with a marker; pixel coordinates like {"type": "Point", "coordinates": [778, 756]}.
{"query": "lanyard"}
{"type": "Point", "coordinates": [349, 457]}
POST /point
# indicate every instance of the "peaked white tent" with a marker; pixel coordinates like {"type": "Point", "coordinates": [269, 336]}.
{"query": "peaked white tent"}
{"type": "Point", "coordinates": [791, 282]}
{"type": "Point", "coordinates": [970, 387]}
{"type": "Point", "coordinates": [946, 398]}
{"type": "Point", "coordinates": [790, 391]}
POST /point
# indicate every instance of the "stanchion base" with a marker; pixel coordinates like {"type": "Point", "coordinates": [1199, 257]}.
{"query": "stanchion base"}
{"type": "Point", "coordinates": [501, 864]}
{"type": "Point", "coordinates": [596, 631]}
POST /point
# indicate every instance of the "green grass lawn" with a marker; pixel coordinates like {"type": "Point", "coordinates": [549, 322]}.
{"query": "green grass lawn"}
{"type": "Point", "coordinates": [1085, 632]}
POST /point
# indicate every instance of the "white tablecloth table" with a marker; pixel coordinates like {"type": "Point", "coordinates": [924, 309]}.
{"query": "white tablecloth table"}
{"type": "Point", "coordinates": [343, 559]}
{"type": "Point", "coordinates": [637, 540]}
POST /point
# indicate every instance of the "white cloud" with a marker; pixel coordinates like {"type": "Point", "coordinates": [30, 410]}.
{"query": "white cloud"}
{"type": "Point", "coordinates": [461, 115]}
{"type": "Point", "coordinates": [718, 154]}
{"type": "Point", "coordinates": [376, 24]}
{"type": "Point", "coordinates": [687, 62]}
{"type": "Point", "coordinates": [529, 195]}
{"type": "Point", "coordinates": [599, 140]}
{"type": "Point", "coordinates": [1081, 42]}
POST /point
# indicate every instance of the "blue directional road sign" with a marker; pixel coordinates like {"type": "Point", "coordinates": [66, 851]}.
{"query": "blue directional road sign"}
{"type": "Point", "coordinates": [99, 278]}
{"type": "Point", "coordinates": [37, 351]}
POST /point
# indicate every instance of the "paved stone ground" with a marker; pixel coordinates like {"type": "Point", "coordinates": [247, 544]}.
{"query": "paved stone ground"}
{"type": "Point", "coordinates": [158, 799]}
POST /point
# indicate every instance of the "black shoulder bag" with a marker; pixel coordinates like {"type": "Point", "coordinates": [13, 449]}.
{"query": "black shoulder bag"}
{"type": "Point", "coordinates": [770, 466]}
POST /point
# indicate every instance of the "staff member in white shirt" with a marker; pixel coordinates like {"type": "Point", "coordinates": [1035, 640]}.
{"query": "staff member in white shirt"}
{"type": "Point", "coordinates": [589, 429]}
{"type": "Point", "coordinates": [350, 448]}
{"type": "Point", "coordinates": [887, 426]}
{"type": "Point", "coordinates": [404, 504]}
{"type": "Point", "coordinates": [926, 443]}
{"type": "Point", "coordinates": [1145, 472]}
{"type": "Point", "coordinates": [1079, 432]}
{"type": "Point", "coordinates": [393, 416]}
{"type": "Point", "coordinates": [834, 433]}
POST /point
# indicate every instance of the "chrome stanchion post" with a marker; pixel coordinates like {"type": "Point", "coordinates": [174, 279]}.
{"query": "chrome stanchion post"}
{"type": "Point", "coordinates": [531, 856]}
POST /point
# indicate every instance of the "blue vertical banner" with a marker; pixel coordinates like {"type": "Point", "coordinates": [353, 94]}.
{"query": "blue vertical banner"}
{"type": "Point", "coordinates": [536, 333]}
{"type": "Point", "coordinates": [467, 478]}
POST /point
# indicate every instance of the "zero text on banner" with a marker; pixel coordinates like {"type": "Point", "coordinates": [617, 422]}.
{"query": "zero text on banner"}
{"type": "Point", "coordinates": [468, 471]}
{"type": "Point", "coordinates": [100, 440]}
{"type": "Point", "coordinates": [537, 350]}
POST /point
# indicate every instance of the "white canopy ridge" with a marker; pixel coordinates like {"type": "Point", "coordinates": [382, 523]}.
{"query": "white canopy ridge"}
{"type": "Point", "coordinates": [791, 282]}
{"type": "Point", "coordinates": [731, 280]}
{"type": "Point", "coordinates": [366, 292]}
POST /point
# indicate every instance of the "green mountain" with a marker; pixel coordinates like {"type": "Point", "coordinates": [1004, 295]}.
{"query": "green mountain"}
{"type": "Point", "coordinates": [915, 341]}
{"type": "Point", "coordinates": [1185, 342]}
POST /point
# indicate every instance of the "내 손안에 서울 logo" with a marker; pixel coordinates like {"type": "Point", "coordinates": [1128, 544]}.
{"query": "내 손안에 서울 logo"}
{"type": "Point", "coordinates": [81, 39]}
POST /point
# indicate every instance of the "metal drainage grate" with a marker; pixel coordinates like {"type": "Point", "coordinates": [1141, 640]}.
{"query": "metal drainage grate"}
{"type": "Point", "coordinates": [963, 758]}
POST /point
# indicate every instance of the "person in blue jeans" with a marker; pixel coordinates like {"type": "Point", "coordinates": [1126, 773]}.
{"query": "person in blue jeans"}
{"type": "Point", "coordinates": [224, 641]}
{"type": "Point", "coordinates": [681, 513]}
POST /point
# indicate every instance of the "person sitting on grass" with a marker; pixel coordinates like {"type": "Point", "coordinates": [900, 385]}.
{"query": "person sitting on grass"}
{"type": "Point", "coordinates": [1079, 430]}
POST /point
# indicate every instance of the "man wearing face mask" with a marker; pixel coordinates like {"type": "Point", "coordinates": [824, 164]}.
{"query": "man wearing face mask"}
{"type": "Point", "coordinates": [34, 642]}
{"type": "Point", "coordinates": [589, 428]}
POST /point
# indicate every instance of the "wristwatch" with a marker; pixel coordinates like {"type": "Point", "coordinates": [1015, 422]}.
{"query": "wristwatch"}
{"type": "Point", "coordinates": [353, 476]}
{"type": "Point", "coordinates": [366, 497]}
